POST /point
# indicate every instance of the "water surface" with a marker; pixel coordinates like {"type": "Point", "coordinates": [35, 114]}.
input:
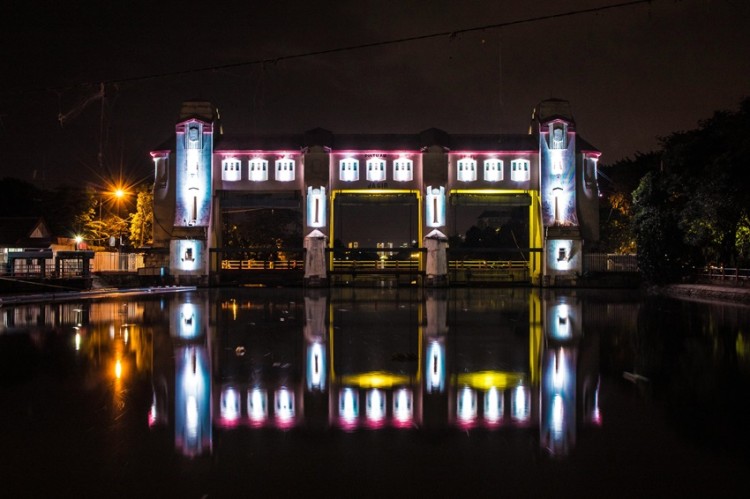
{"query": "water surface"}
{"type": "Point", "coordinates": [375, 392]}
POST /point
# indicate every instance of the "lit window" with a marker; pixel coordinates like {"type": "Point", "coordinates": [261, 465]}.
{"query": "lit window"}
{"type": "Point", "coordinates": [493, 170]}
{"type": "Point", "coordinates": [349, 170]}
{"type": "Point", "coordinates": [193, 137]}
{"type": "Point", "coordinates": [402, 170]}
{"type": "Point", "coordinates": [519, 170]}
{"type": "Point", "coordinates": [258, 170]}
{"type": "Point", "coordinates": [316, 206]}
{"type": "Point", "coordinates": [231, 169]}
{"type": "Point", "coordinates": [160, 173]}
{"type": "Point", "coordinates": [285, 170]}
{"type": "Point", "coordinates": [557, 136]}
{"type": "Point", "coordinates": [589, 171]}
{"type": "Point", "coordinates": [375, 170]}
{"type": "Point", "coordinates": [435, 206]}
{"type": "Point", "coordinates": [467, 169]}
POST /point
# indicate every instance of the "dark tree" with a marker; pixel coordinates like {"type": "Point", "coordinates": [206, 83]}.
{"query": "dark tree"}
{"type": "Point", "coordinates": [695, 210]}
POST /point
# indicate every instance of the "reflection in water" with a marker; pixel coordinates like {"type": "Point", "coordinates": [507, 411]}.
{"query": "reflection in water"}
{"type": "Point", "coordinates": [192, 401]}
{"type": "Point", "coordinates": [257, 403]}
{"type": "Point", "coordinates": [349, 359]}
{"type": "Point", "coordinates": [357, 360]}
{"type": "Point", "coordinates": [406, 360]}
{"type": "Point", "coordinates": [275, 389]}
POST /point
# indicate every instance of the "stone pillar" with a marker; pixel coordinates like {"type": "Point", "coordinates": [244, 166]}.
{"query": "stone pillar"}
{"type": "Point", "coordinates": [436, 267]}
{"type": "Point", "coordinates": [315, 259]}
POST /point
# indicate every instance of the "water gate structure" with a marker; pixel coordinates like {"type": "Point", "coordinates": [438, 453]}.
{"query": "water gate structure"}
{"type": "Point", "coordinates": [533, 196]}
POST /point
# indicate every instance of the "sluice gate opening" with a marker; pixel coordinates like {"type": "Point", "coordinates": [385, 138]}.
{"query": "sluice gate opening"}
{"type": "Point", "coordinates": [493, 237]}
{"type": "Point", "coordinates": [376, 237]}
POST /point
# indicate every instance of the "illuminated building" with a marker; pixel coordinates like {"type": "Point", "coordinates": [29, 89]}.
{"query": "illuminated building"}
{"type": "Point", "coordinates": [202, 174]}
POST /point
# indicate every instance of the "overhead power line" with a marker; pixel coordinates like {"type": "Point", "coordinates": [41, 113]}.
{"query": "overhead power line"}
{"type": "Point", "coordinates": [361, 46]}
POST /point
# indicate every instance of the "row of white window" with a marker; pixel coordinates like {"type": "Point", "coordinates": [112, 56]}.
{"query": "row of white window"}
{"type": "Point", "coordinates": [231, 170]}
{"type": "Point", "coordinates": [403, 170]}
{"type": "Point", "coordinates": [466, 170]}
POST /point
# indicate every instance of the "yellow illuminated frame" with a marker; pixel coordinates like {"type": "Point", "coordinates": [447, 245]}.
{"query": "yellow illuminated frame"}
{"type": "Point", "coordinates": [535, 223]}
{"type": "Point", "coordinates": [373, 192]}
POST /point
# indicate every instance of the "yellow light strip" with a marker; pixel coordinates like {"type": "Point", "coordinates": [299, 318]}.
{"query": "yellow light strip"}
{"type": "Point", "coordinates": [332, 372]}
{"type": "Point", "coordinates": [375, 379]}
{"type": "Point", "coordinates": [492, 191]}
{"type": "Point", "coordinates": [375, 192]}
{"type": "Point", "coordinates": [484, 380]}
{"type": "Point", "coordinates": [535, 236]}
{"type": "Point", "coordinates": [535, 336]}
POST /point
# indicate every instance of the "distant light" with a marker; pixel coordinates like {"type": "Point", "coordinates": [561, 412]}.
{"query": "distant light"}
{"type": "Point", "coordinates": [118, 369]}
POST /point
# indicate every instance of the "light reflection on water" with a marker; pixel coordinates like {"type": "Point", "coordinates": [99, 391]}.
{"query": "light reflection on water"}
{"type": "Point", "coordinates": [218, 364]}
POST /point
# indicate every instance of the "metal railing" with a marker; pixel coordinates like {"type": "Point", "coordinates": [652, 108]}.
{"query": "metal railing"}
{"type": "Point", "coordinates": [721, 273]}
{"type": "Point", "coordinates": [376, 265]}
{"type": "Point", "coordinates": [483, 265]}
{"type": "Point", "coordinates": [262, 264]}
{"type": "Point", "coordinates": [610, 262]}
{"type": "Point", "coordinates": [488, 271]}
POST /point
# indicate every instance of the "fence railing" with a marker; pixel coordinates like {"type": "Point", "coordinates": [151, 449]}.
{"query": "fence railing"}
{"type": "Point", "coordinates": [609, 262]}
{"type": "Point", "coordinates": [720, 273]}
{"type": "Point", "coordinates": [262, 264]}
{"type": "Point", "coordinates": [371, 265]}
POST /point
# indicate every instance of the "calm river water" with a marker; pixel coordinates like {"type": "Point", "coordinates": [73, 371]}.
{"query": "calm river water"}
{"type": "Point", "coordinates": [375, 393]}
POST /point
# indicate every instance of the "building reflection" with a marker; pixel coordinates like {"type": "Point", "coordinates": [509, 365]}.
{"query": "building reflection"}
{"type": "Point", "coordinates": [344, 358]}
{"type": "Point", "coordinates": [434, 359]}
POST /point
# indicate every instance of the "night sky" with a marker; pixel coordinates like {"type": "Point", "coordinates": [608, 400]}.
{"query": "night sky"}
{"type": "Point", "coordinates": [631, 74]}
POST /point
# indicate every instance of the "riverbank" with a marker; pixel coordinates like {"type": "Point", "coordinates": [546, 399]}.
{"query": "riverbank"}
{"type": "Point", "coordinates": [706, 292]}
{"type": "Point", "coordinates": [94, 293]}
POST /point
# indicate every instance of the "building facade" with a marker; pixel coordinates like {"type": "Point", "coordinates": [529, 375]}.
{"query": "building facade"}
{"type": "Point", "coordinates": [550, 172]}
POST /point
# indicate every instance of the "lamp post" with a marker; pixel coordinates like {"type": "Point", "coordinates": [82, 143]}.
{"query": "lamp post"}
{"type": "Point", "coordinates": [119, 194]}
{"type": "Point", "coordinates": [114, 192]}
